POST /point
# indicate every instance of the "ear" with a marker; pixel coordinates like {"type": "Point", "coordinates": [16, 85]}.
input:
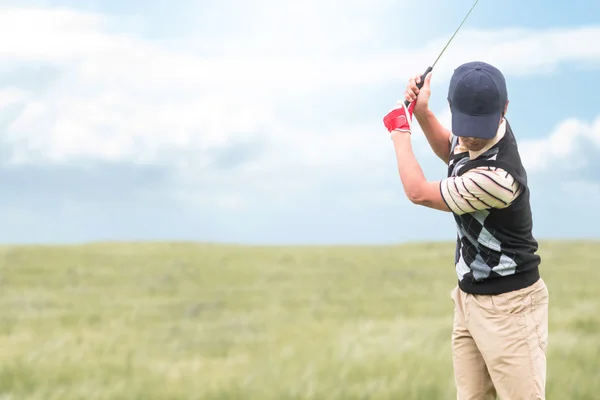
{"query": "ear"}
{"type": "Point", "coordinates": [505, 108]}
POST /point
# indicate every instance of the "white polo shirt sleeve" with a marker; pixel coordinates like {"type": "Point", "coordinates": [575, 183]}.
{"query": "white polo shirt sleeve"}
{"type": "Point", "coordinates": [478, 189]}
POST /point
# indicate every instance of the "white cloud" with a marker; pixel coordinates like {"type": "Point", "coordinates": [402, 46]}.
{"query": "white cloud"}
{"type": "Point", "coordinates": [122, 98]}
{"type": "Point", "coordinates": [10, 96]}
{"type": "Point", "coordinates": [570, 148]}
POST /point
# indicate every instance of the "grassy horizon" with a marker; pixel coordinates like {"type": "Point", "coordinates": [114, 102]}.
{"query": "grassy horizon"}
{"type": "Point", "coordinates": [184, 320]}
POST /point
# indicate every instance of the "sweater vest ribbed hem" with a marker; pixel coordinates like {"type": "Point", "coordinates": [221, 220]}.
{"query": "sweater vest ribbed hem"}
{"type": "Point", "coordinates": [501, 285]}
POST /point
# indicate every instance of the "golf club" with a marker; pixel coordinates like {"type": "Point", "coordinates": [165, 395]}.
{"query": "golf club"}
{"type": "Point", "coordinates": [429, 69]}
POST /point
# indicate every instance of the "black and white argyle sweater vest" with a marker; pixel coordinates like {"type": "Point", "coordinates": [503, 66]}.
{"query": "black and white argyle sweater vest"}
{"type": "Point", "coordinates": [495, 249]}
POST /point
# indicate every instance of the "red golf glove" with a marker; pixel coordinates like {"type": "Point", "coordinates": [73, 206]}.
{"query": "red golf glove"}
{"type": "Point", "coordinates": [400, 118]}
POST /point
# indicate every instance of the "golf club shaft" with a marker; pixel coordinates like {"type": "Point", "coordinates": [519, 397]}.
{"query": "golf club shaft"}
{"type": "Point", "coordinates": [429, 69]}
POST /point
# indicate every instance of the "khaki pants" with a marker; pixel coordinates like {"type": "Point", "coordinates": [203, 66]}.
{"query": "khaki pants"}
{"type": "Point", "coordinates": [499, 344]}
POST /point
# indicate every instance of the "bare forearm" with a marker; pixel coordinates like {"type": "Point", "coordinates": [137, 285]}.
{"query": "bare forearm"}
{"type": "Point", "coordinates": [410, 171]}
{"type": "Point", "coordinates": [437, 136]}
{"type": "Point", "coordinates": [417, 188]}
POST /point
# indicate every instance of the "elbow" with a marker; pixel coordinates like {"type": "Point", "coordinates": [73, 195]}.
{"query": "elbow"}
{"type": "Point", "coordinates": [415, 197]}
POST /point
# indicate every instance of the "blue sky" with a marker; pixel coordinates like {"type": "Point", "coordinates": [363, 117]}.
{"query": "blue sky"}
{"type": "Point", "coordinates": [261, 122]}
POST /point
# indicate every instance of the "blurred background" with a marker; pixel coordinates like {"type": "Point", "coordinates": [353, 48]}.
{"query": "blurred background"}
{"type": "Point", "coordinates": [259, 123]}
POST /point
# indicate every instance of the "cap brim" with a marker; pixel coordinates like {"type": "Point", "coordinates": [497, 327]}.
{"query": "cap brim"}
{"type": "Point", "coordinates": [477, 126]}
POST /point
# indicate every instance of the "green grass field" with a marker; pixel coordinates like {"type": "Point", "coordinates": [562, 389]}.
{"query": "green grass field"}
{"type": "Point", "coordinates": [188, 321]}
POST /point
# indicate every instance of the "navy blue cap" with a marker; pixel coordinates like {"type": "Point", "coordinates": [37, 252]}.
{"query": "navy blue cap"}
{"type": "Point", "coordinates": [477, 97]}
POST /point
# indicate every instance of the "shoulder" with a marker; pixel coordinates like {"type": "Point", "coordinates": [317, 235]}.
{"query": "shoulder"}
{"type": "Point", "coordinates": [480, 188]}
{"type": "Point", "coordinates": [492, 177]}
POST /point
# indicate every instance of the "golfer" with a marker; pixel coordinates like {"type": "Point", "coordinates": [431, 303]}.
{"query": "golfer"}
{"type": "Point", "coordinates": [500, 332]}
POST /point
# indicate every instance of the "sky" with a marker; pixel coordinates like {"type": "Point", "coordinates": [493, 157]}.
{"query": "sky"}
{"type": "Point", "coordinates": [260, 121]}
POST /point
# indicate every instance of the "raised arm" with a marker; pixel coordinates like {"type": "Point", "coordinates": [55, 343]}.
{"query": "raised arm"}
{"type": "Point", "coordinates": [437, 136]}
